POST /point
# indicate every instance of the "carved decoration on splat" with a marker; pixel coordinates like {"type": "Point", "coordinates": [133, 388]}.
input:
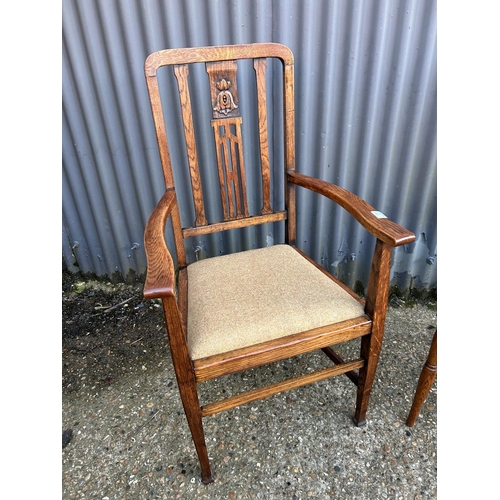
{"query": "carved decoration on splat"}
{"type": "Point", "coordinates": [223, 89]}
{"type": "Point", "coordinates": [225, 101]}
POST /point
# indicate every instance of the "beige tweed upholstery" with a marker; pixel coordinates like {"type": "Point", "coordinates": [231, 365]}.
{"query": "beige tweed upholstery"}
{"type": "Point", "coordinates": [250, 297]}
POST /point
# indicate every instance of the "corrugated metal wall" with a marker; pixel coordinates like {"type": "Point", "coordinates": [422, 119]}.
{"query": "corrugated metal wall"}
{"type": "Point", "coordinates": [365, 75]}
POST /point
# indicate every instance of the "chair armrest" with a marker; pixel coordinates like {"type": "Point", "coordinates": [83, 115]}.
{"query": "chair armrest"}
{"type": "Point", "coordinates": [384, 229]}
{"type": "Point", "coordinates": [160, 275]}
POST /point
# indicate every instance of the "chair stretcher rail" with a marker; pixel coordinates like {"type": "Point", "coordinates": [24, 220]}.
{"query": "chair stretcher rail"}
{"type": "Point", "coordinates": [271, 390]}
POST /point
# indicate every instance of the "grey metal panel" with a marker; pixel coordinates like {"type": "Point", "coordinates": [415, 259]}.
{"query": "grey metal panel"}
{"type": "Point", "coordinates": [365, 119]}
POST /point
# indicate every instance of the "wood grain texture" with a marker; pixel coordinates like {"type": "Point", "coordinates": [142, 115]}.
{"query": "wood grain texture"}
{"type": "Point", "coordinates": [187, 382]}
{"type": "Point", "coordinates": [161, 133]}
{"type": "Point", "coordinates": [260, 70]}
{"type": "Point", "coordinates": [425, 381]}
{"type": "Point", "coordinates": [290, 205]}
{"type": "Point", "coordinates": [275, 350]}
{"type": "Point", "coordinates": [286, 385]}
{"type": "Point", "coordinates": [289, 148]}
{"type": "Point", "coordinates": [223, 89]}
{"type": "Point", "coordinates": [182, 296]}
{"type": "Point", "coordinates": [160, 276]}
{"type": "Point", "coordinates": [289, 116]}
{"type": "Point", "coordinates": [220, 53]}
{"type": "Point", "coordinates": [377, 298]}
{"type": "Point", "coordinates": [352, 375]}
{"type": "Point", "coordinates": [389, 232]}
{"type": "Point", "coordinates": [181, 73]}
{"type": "Point", "coordinates": [234, 224]}
{"type": "Point", "coordinates": [178, 238]}
{"type": "Point", "coordinates": [231, 168]}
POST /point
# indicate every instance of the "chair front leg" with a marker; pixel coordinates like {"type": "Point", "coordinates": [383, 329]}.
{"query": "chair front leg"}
{"type": "Point", "coordinates": [187, 383]}
{"type": "Point", "coordinates": [371, 345]}
{"type": "Point", "coordinates": [190, 401]}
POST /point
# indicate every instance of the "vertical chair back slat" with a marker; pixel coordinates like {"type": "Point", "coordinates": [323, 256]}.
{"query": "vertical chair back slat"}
{"type": "Point", "coordinates": [161, 132]}
{"type": "Point", "coordinates": [260, 70]}
{"type": "Point", "coordinates": [289, 132]}
{"type": "Point", "coordinates": [181, 73]}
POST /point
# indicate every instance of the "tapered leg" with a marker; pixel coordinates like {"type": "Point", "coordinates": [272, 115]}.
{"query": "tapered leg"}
{"type": "Point", "coordinates": [425, 382]}
{"type": "Point", "coordinates": [187, 383]}
{"type": "Point", "coordinates": [370, 351]}
{"type": "Point", "coordinates": [376, 307]}
{"type": "Point", "coordinates": [190, 401]}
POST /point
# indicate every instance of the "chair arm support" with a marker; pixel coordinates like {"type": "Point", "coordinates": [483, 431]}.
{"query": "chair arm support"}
{"type": "Point", "coordinates": [384, 229]}
{"type": "Point", "coordinates": [160, 275]}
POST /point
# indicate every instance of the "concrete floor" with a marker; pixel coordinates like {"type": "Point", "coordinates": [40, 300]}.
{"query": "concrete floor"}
{"type": "Point", "coordinates": [131, 440]}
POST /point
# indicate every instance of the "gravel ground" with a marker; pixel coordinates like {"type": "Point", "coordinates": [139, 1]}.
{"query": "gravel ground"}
{"type": "Point", "coordinates": [130, 439]}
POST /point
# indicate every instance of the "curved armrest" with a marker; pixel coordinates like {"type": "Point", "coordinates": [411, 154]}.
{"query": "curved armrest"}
{"type": "Point", "coordinates": [160, 276]}
{"type": "Point", "coordinates": [384, 229]}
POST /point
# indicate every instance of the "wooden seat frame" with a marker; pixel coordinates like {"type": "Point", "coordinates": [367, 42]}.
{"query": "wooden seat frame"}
{"type": "Point", "coordinates": [161, 273]}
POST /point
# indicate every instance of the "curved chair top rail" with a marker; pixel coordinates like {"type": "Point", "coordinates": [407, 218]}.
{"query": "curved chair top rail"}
{"type": "Point", "coordinates": [190, 55]}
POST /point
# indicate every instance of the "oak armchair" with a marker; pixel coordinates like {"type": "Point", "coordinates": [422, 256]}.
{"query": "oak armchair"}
{"type": "Point", "coordinates": [229, 313]}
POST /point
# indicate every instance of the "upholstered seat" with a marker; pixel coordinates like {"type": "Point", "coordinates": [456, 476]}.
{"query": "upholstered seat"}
{"type": "Point", "coordinates": [251, 297]}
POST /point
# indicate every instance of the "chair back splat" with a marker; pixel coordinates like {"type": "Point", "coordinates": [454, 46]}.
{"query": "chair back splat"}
{"type": "Point", "coordinates": [234, 312]}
